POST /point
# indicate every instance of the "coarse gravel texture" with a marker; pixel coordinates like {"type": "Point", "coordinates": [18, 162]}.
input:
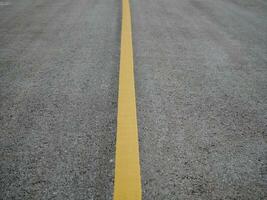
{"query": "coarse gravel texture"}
{"type": "Point", "coordinates": [58, 98]}
{"type": "Point", "coordinates": [201, 83]}
{"type": "Point", "coordinates": [201, 89]}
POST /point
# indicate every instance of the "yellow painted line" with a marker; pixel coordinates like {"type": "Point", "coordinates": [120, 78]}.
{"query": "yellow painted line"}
{"type": "Point", "coordinates": [127, 184]}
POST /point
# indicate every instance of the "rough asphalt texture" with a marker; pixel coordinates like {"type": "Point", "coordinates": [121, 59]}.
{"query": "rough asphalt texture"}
{"type": "Point", "coordinates": [58, 86]}
{"type": "Point", "coordinates": [201, 83]}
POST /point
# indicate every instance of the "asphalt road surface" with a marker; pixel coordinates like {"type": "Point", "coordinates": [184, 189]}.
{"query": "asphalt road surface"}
{"type": "Point", "coordinates": [201, 89]}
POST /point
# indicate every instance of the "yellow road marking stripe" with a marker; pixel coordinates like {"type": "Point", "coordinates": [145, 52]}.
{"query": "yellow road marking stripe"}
{"type": "Point", "coordinates": [127, 184]}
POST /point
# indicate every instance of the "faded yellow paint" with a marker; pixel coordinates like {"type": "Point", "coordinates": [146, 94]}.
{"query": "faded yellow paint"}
{"type": "Point", "coordinates": [127, 184]}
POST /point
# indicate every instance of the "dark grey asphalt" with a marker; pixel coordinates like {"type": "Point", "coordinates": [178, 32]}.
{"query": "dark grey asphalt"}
{"type": "Point", "coordinates": [202, 98]}
{"type": "Point", "coordinates": [201, 84]}
{"type": "Point", "coordinates": [58, 98]}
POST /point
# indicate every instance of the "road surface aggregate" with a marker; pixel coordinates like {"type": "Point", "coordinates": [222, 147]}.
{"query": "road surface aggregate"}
{"type": "Point", "coordinates": [58, 92]}
{"type": "Point", "coordinates": [201, 83]}
{"type": "Point", "coordinates": [201, 91]}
